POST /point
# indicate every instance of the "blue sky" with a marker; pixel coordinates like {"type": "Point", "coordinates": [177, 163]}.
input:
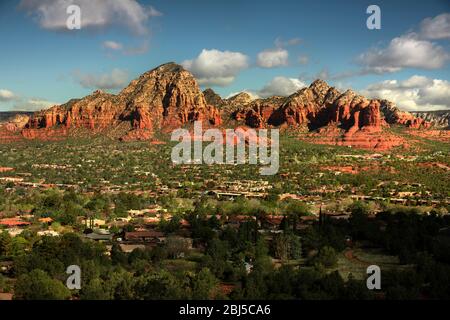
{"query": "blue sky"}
{"type": "Point", "coordinates": [407, 60]}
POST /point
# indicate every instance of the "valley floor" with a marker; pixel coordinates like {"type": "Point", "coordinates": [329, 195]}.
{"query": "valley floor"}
{"type": "Point", "coordinates": [219, 231]}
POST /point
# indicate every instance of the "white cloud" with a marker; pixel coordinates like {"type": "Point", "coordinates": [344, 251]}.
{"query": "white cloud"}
{"type": "Point", "coordinates": [115, 80]}
{"type": "Point", "coordinates": [438, 93]}
{"type": "Point", "coordinates": [216, 68]}
{"type": "Point", "coordinates": [272, 58]}
{"type": "Point", "coordinates": [416, 82]}
{"type": "Point", "coordinates": [6, 95]}
{"type": "Point", "coordinates": [407, 51]}
{"type": "Point", "coordinates": [51, 14]}
{"type": "Point", "coordinates": [112, 45]}
{"type": "Point", "coordinates": [436, 28]}
{"type": "Point", "coordinates": [281, 86]}
{"type": "Point", "coordinates": [34, 104]}
{"type": "Point", "coordinates": [24, 103]}
{"type": "Point", "coordinates": [417, 93]}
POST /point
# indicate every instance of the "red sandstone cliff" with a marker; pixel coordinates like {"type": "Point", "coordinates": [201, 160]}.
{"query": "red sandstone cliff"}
{"type": "Point", "coordinates": [168, 97]}
{"type": "Point", "coordinates": [394, 115]}
{"type": "Point", "coordinates": [165, 97]}
{"type": "Point", "coordinates": [338, 118]}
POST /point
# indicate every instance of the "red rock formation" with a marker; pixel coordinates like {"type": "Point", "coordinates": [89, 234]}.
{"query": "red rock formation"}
{"type": "Point", "coordinates": [16, 123]}
{"type": "Point", "coordinates": [394, 116]}
{"type": "Point", "coordinates": [213, 98]}
{"type": "Point", "coordinates": [97, 110]}
{"type": "Point", "coordinates": [260, 113]}
{"type": "Point", "coordinates": [437, 135]}
{"type": "Point", "coordinates": [360, 139]}
{"type": "Point", "coordinates": [143, 119]}
{"type": "Point", "coordinates": [167, 96]}
{"type": "Point", "coordinates": [239, 100]}
{"type": "Point", "coordinates": [351, 119]}
{"type": "Point", "coordinates": [379, 142]}
{"type": "Point", "coordinates": [10, 129]}
{"type": "Point", "coordinates": [371, 116]}
{"type": "Point", "coordinates": [45, 134]}
{"type": "Point", "coordinates": [439, 119]}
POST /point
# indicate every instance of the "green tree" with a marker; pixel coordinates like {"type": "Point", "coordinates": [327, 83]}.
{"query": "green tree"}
{"type": "Point", "coordinates": [170, 226]}
{"type": "Point", "coordinates": [17, 246]}
{"type": "Point", "coordinates": [37, 285]}
{"type": "Point", "coordinates": [217, 255]}
{"type": "Point", "coordinates": [95, 290]}
{"type": "Point", "coordinates": [5, 241]}
{"type": "Point", "coordinates": [177, 246]}
{"type": "Point", "coordinates": [203, 285]}
{"type": "Point", "coordinates": [326, 256]}
{"type": "Point", "coordinates": [358, 219]}
{"type": "Point", "coordinates": [287, 246]}
{"type": "Point", "coordinates": [117, 255]}
{"type": "Point", "coordinates": [295, 210]}
{"type": "Point", "coordinates": [281, 247]}
{"type": "Point", "coordinates": [158, 286]}
{"type": "Point", "coordinates": [123, 285]}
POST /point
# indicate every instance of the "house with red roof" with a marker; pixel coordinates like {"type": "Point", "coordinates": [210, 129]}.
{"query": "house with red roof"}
{"type": "Point", "coordinates": [13, 222]}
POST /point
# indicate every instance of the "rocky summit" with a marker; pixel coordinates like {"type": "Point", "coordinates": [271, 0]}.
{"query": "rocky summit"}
{"type": "Point", "coordinates": [168, 97]}
{"type": "Point", "coordinates": [332, 117]}
{"type": "Point", "coordinates": [165, 97]}
{"type": "Point", "coordinates": [320, 105]}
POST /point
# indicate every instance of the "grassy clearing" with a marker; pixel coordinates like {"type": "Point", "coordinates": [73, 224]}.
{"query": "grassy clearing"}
{"type": "Point", "coordinates": [356, 260]}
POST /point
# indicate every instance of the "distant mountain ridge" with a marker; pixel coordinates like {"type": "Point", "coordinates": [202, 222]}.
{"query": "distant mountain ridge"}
{"type": "Point", "coordinates": [7, 115]}
{"type": "Point", "coordinates": [168, 97]}
{"type": "Point", "coordinates": [439, 118]}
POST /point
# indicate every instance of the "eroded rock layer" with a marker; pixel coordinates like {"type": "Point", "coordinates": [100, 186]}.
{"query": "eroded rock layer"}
{"type": "Point", "coordinates": [338, 118]}
{"type": "Point", "coordinates": [167, 96]}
